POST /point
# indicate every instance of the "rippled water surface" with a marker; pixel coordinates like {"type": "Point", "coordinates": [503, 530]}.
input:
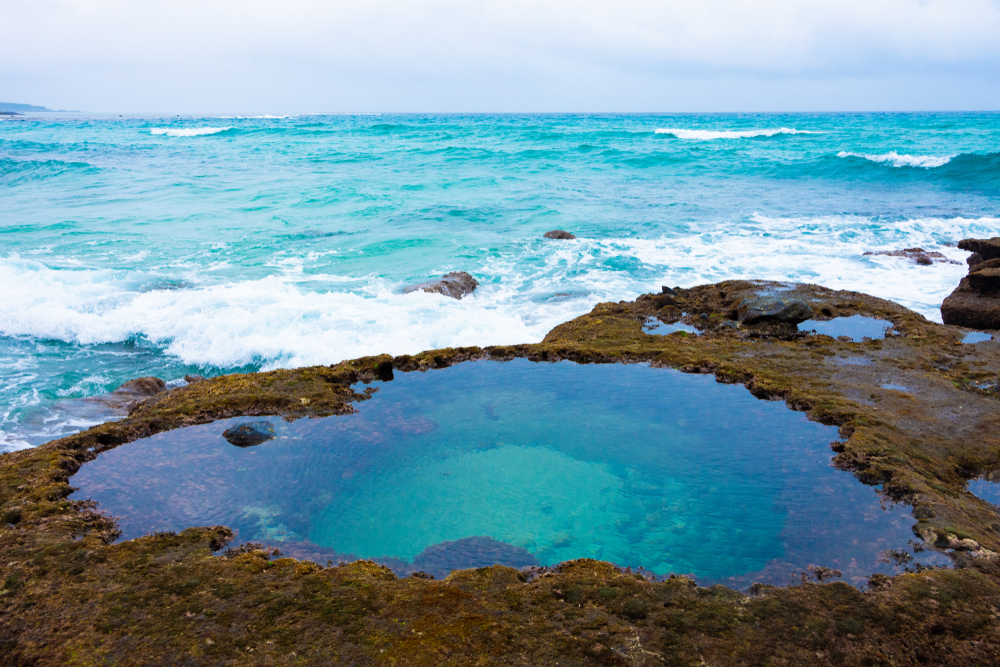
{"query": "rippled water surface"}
{"type": "Point", "coordinates": [173, 245]}
{"type": "Point", "coordinates": [524, 464]}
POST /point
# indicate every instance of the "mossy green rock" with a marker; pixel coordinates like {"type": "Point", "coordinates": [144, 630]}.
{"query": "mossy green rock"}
{"type": "Point", "coordinates": [69, 595]}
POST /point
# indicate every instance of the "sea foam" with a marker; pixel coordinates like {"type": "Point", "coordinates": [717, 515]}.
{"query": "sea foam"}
{"type": "Point", "coordinates": [728, 134]}
{"type": "Point", "coordinates": [896, 160]}
{"type": "Point", "coordinates": [291, 319]}
{"type": "Point", "coordinates": [188, 132]}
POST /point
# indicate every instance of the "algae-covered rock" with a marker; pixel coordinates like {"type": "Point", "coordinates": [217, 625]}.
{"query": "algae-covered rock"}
{"type": "Point", "coordinates": [70, 595]}
{"type": "Point", "coordinates": [249, 434]}
{"type": "Point", "coordinates": [773, 307]}
{"type": "Point", "coordinates": [455, 284]}
{"type": "Point", "coordinates": [559, 234]}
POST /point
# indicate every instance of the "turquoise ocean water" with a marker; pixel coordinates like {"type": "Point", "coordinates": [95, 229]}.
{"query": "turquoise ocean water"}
{"type": "Point", "coordinates": [162, 246]}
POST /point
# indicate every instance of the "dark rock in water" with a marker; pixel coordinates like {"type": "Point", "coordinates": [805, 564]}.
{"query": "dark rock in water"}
{"type": "Point", "coordinates": [975, 303]}
{"type": "Point", "coordinates": [144, 387]}
{"type": "Point", "coordinates": [131, 393]}
{"type": "Point", "coordinates": [440, 559]}
{"type": "Point", "coordinates": [558, 234]}
{"type": "Point", "coordinates": [919, 255]}
{"type": "Point", "coordinates": [456, 285]}
{"type": "Point", "coordinates": [249, 434]}
{"type": "Point", "coordinates": [985, 248]}
{"type": "Point", "coordinates": [774, 308]}
{"type": "Point", "coordinates": [191, 379]}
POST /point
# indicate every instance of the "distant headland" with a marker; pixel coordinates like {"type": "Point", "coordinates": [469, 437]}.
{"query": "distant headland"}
{"type": "Point", "coordinates": [14, 108]}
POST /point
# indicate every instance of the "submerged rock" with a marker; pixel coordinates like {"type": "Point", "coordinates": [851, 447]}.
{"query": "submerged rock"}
{"type": "Point", "coordinates": [773, 308]}
{"type": "Point", "coordinates": [131, 393]}
{"type": "Point", "coordinates": [144, 387]}
{"type": "Point", "coordinates": [455, 284]}
{"type": "Point", "coordinates": [440, 559]}
{"type": "Point", "coordinates": [559, 234]}
{"type": "Point", "coordinates": [975, 303]}
{"type": "Point", "coordinates": [249, 434]}
{"type": "Point", "coordinates": [918, 255]}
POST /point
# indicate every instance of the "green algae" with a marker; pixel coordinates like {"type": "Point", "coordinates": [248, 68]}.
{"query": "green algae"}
{"type": "Point", "coordinates": [69, 597]}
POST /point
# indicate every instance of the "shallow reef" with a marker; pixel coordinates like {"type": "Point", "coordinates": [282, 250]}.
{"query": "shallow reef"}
{"type": "Point", "coordinates": [70, 595]}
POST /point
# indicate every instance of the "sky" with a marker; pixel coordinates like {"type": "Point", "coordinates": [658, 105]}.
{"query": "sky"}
{"type": "Point", "coordinates": [301, 56]}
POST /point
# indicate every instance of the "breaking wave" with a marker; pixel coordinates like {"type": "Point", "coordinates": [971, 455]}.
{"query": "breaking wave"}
{"type": "Point", "coordinates": [188, 132]}
{"type": "Point", "coordinates": [896, 160]}
{"type": "Point", "coordinates": [728, 134]}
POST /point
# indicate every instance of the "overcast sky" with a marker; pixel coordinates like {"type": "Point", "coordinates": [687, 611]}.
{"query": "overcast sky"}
{"type": "Point", "coordinates": [193, 56]}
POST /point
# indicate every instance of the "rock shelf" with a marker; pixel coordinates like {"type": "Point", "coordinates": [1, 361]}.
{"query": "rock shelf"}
{"type": "Point", "coordinates": [70, 596]}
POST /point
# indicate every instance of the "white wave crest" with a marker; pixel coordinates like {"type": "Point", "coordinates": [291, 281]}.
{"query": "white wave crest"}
{"type": "Point", "coordinates": [896, 160]}
{"type": "Point", "coordinates": [728, 134]}
{"type": "Point", "coordinates": [287, 320]}
{"type": "Point", "coordinates": [188, 132]}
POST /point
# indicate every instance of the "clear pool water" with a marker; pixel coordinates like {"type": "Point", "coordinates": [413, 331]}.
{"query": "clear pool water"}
{"type": "Point", "coordinates": [976, 337]}
{"type": "Point", "coordinates": [523, 463]}
{"type": "Point", "coordinates": [855, 327]}
{"type": "Point", "coordinates": [658, 328]}
{"type": "Point", "coordinates": [985, 489]}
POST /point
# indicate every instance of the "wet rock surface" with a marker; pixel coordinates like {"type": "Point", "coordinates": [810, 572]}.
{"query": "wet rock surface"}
{"type": "Point", "coordinates": [67, 594]}
{"type": "Point", "coordinates": [456, 285]}
{"type": "Point", "coordinates": [559, 234]}
{"type": "Point", "coordinates": [918, 255]}
{"type": "Point", "coordinates": [249, 434]}
{"type": "Point", "coordinates": [975, 303]}
{"type": "Point", "coordinates": [775, 308]}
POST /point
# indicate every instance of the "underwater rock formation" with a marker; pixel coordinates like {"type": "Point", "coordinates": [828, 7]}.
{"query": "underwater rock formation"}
{"type": "Point", "coordinates": [455, 284]}
{"type": "Point", "coordinates": [975, 303]}
{"type": "Point", "coordinates": [559, 234]}
{"type": "Point", "coordinates": [249, 434]}
{"type": "Point", "coordinates": [772, 307]}
{"type": "Point", "coordinates": [439, 560]}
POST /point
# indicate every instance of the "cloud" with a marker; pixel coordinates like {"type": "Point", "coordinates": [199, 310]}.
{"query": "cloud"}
{"type": "Point", "coordinates": [343, 55]}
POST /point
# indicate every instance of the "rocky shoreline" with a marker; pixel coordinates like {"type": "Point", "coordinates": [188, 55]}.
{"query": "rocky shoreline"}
{"type": "Point", "coordinates": [69, 594]}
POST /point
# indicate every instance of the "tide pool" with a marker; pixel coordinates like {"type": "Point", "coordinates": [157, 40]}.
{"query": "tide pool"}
{"type": "Point", "coordinates": [524, 463]}
{"type": "Point", "coordinates": [155, 245]}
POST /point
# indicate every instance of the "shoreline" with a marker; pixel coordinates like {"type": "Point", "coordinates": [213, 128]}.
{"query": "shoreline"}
{"type": "Point", "coordinates": [920, 447]}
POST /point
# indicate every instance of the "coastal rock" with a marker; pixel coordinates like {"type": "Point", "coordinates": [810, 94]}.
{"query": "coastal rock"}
{"type": "Point", "coordinates": [142, 387]}
{"type": "Point", "coordinates": [774, 308]}
{"type": "Point", "coordinates": [455, 284]}
{"type": "Point", "coordinates": [975, 303]}
{"type": "Point", "coordinates": [559, 234]}
{"type": "Point", "coordinates": [191, 379]}
{"type": "Point", "coordinates": [985, 248]}
{"type": "Point", "coordinates": [249, 434]}
{"type": "Point", "coordinates": [918, 255]}
{"type": "Point", "coordinates": [131, 393]}
{"type": "Point", "coordinates": [967, 308]}
{"type": "Point", "coordinates": [984, 277]}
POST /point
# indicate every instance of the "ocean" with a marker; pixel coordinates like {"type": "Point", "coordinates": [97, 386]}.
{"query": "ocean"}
{"type": "Point", "coordinates": [159, 245]}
